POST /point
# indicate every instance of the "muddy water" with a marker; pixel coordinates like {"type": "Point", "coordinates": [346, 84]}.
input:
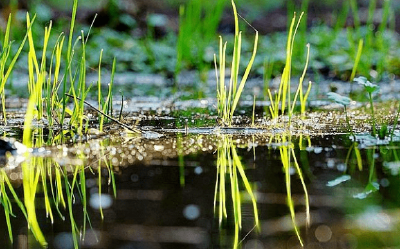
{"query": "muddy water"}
{"type": "Point", "coordinates": [165, 184]}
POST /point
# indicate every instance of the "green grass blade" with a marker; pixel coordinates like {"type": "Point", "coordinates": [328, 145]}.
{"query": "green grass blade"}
{"type": "Point", "coordinates": [357, 60]}
{"type": "Point", "coordinates": [300, 86]}
{"type": "Point", "coordinates": [245, 76]}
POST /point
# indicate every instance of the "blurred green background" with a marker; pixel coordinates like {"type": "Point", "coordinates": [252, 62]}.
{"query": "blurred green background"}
{"type": "Point", "coordinates": [143, 34]}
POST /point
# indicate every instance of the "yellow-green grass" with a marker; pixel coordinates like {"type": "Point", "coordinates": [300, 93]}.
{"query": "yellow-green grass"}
{"type": "Point", "coordinates": [282, 99]}
{"type": "Point", "coordinates": [228, 98]}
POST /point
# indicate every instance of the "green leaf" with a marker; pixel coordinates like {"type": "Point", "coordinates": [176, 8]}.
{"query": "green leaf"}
{"type": "Point", "coordinates": [339, 98]}
{"type": "Point", "coordinates": [369, 87]}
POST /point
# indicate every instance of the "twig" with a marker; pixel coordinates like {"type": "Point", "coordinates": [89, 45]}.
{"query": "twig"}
{"type": "Point", "coordinates": [107, 116]}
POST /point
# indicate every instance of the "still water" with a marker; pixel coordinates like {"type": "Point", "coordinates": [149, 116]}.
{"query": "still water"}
{"type": "Point", "coordinates": [204, 190]}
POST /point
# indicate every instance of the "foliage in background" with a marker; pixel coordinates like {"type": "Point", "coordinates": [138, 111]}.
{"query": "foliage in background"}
{"type": "Point", "coordinates": [334, 49]}
{"type": "Point", "coordinates": [198, 24]}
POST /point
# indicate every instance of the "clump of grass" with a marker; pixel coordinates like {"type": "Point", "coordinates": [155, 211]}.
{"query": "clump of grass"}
{"type": "Point", "coordinates": [228, 98]}
{"type": "Point", "coordinates": [5, 68]}
{"type": "Point", "coordinates": [282, 99]}
{"type": "Point", "coordinates": [37, 74]}
{"type": "Point", "coordinates": [36, 170]}
{"type": "Point", "coordinates": [53, 103]}
{"type": "Point", "coordinates": [107, 105]}
{"type": "Point", "coordinates": [299, 92]}
{"type": "Point", "coordinates": [45, 80]}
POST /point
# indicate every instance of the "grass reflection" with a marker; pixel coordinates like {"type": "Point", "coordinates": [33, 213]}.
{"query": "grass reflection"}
{"type": "Point", "coordinates": [290, 163]}
{"type": "Point", "coordinates": [230, 168]}
{"type": "Point", "coordinates": [5, 200]}
{"type": "Point", "coordinates": [54, 184]}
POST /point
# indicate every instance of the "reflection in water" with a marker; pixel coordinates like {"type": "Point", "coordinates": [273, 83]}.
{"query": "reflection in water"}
{"type": "Point", "coordinates": [229, 164]}
{"type": "Point", "coordinates": [54, 184]}
{"type": "Point", "coordinates": [56, 180]}
{"type": "Point", "coordinates": [61, 183]}
{"type": "Point", "coordinates": [290, 164]}
{"type": "Point", "coordinates": [354, 159]}
{"type": "Point", "coordinates": [354, 150]}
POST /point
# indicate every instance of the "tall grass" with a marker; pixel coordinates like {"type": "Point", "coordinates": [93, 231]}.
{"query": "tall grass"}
{"type": "Point", "coordinates": [5, 68]}
{"type": "Point", "coordinates": [68, 74]}
{"type": "Point", "coordinates": [106, 107]}
{"type": "Point", "coordinates": [43, 85]}
{"type": "Point", "coordinates": [53, 102]}
{"type": "Point", "coordinates": [45, 79]}
{"type": "Point", "coordinates": [282, 99]}
{"type": "Point", "coordinates": [228, 98]}
{"type": "Point", "coordinates": [299, 93]}
{"type": "Point", "coordinates": [37, 70]}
